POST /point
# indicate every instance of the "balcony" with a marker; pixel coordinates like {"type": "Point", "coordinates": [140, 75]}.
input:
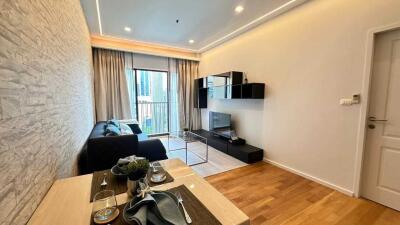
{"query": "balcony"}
{"type": "Point", "coordinates": [153, 117]}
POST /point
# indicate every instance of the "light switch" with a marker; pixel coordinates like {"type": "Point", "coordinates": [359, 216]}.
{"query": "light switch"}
{"type": "Point", "coordinates": [346, 101]}
{"type": "Point", "coordinates": [350, 101]}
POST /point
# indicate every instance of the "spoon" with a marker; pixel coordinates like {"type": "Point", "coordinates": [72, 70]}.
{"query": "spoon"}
{"type": "Point", "coordinates": [104, 183]}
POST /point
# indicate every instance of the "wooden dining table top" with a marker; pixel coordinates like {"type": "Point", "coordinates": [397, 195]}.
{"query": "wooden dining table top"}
{"type": "Point", "coordinates": [68, 200]}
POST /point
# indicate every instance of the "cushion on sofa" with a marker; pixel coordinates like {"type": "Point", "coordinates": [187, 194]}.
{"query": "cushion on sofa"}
{"type": "Point", "coordinates": [114, 122]}
{"type": "Point", "coordinates": [135, 128]}
{"type": "Point", "coordinates": [125, 129]}
{"type": "Point", "coordinates": [112, 130]}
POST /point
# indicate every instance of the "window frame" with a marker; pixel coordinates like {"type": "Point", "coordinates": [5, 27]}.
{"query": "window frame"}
{"type": "Point", "coordinates": [168, 96]}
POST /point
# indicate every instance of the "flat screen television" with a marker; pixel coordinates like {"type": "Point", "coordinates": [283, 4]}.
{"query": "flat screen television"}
{"type": "Point", "coordinates": [220, 123]}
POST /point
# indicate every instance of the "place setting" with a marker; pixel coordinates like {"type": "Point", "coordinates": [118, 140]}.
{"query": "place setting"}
{"type": "Point", "coordinates": [118, 179]}
{"type": "Point", "coordinates": [176, 205]}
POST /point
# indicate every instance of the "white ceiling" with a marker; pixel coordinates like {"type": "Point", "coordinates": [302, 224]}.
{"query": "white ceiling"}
{"type": "Point", "coordinates": [207, 22]}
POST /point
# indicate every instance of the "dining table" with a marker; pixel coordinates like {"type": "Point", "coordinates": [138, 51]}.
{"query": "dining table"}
{"type": "Point", "coordinates": [68, 200]}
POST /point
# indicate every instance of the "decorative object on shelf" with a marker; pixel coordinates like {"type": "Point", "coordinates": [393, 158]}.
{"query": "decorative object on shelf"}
{"type": "Point", "coordinates": [104, 207]}
{"type": "Point", "coordinates": [245, 79]}
{"type": "Point", "coordinates": [136, 170]}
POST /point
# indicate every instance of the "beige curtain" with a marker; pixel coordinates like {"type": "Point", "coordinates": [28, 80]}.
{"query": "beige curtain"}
{"type": "Point", "coordinates": [110, 87]}
{"type": "Point", "coordinates": [189, 117]}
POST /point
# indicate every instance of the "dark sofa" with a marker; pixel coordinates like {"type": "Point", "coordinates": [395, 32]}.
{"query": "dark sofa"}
{"type": "Point", "coordinates": [102, 152]}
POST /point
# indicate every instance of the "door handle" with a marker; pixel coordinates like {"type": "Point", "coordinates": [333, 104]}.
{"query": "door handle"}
{"type": "Point", "coordinates": [373, 119]}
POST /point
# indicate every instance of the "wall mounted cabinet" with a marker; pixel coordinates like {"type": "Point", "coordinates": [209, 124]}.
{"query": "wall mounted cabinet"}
{"type": "Point", "coordinates": [200, 93]}
{"type": "Point", "coordinates": [227, 85]}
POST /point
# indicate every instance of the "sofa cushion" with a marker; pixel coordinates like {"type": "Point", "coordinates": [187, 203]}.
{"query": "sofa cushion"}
{"type": "Point", "coordinates": [135, 128]}
{"type": "Point", "coordinates": [125, 129]}
{"type": "Point", "coordinates": [114, 122]}
{"type": "Point", "coordinates": [112, 130]}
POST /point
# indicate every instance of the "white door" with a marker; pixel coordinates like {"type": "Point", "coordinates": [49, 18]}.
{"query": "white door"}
{"type": "Point", "coordinates": [381, 171]}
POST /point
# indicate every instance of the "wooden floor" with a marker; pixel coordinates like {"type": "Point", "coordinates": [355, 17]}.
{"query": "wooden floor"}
{"type": "Point", "coordinates": [270, 195]}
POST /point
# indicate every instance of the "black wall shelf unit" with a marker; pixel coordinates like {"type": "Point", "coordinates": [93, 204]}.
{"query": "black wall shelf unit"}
{"type": "Point", "coordinates": [245, 153]}
{"type": "Point", "coordinates": [200, 93]}
{"type": "Point", "coordinates": [227, 85]}
{"type": "Point", "coordinates": [253, 91]}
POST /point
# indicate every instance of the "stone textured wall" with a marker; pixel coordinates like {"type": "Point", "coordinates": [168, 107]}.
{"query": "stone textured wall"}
{"type": "Point", "coordinates": [46, 102]}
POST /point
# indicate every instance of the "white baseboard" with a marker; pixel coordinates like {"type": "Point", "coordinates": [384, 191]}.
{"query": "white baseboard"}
{"type": "Point", "coordinates": [315, 179]}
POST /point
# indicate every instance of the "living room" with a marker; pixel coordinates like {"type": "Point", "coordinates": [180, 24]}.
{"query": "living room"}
{"type": "Point", "coordinates": [199, 112]}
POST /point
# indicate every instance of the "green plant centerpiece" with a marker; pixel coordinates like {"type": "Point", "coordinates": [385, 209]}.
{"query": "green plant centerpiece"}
{"type": "Point", "coordinates": [136, 170]}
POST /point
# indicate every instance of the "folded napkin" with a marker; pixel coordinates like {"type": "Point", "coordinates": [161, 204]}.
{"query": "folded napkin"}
{"type": "Point", "coordinates": [158, 208]}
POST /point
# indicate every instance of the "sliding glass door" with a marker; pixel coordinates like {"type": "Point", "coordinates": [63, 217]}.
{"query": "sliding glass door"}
{"type": "Point", "coordinates": [148, 94]}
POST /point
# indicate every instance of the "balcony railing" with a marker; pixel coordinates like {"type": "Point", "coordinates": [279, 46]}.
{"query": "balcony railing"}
{"type": "Point", "coordinates": [153, 117]}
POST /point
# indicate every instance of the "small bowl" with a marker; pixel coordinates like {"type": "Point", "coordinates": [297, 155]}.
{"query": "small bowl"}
{"type": "Point", "coordinates": [116, 172]}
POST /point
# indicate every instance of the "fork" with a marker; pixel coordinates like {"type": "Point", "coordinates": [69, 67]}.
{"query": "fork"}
{"type": "Point", "coordinates": [180, 200]}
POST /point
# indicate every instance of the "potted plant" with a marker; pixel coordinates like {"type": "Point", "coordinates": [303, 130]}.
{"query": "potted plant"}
{"type": "Point", "coordinates": [137, 170]}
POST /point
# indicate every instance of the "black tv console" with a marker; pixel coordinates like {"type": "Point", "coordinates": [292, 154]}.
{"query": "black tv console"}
{"type": "Point", "coordinates": [245, 153]}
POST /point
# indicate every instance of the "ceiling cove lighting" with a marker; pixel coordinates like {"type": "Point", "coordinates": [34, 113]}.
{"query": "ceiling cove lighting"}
{"type": "Point", "coordinates": [191, 41]}
{"type": "Point", "coordinates": [251, 24]}
{"type": "Point", "coordinates": [127, 29]}
{"type": "Point", "coordinates": [99, 17]}
{"type": "Point", "coordinates": [239, 9]}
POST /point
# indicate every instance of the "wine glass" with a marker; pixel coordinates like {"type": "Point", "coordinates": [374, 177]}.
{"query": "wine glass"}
{"type": "Point", "coordinates": [104, 206]}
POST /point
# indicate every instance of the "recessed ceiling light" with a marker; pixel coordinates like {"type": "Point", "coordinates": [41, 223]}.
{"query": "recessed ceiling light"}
{"type": "Point", "coordinates": [239, 9]}
{"type": "Point", "coordinates": [191, 41]}
{"type": "Point", "coordinates": [127, 29]}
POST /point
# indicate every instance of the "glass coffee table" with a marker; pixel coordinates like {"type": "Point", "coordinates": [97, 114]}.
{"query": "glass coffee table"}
{"type": "Point", "coordinates": [185, 138]}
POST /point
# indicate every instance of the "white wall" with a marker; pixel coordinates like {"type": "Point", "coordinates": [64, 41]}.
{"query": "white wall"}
{"type": "Point", "coordinates": [308, 58]}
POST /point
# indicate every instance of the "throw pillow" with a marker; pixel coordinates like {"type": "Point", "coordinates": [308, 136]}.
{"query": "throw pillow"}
{"type": "Point", "coordinates": [125, 129]}
{"type": "Point", "coordinates": [114, 122]}
{"type": "Point", "coordinates": [112, 130]}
